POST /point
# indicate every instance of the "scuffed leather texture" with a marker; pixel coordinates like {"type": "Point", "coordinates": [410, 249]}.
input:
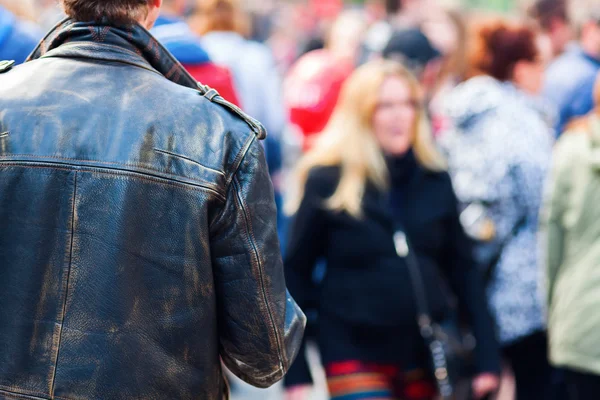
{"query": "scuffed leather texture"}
{"type": "Point", "coordinates": [138, 243]}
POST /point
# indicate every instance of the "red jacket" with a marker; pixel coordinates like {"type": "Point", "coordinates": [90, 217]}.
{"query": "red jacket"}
{"type": "Point", "coordinates": [185, 46]}
{"type": "Point", "coordinates": [217, 77]}
{"type": "Point", "coordinates": [311, 91]}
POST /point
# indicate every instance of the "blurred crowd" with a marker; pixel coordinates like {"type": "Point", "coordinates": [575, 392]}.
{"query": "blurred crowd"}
{"type": "Point", "coordinates": [407, 136]}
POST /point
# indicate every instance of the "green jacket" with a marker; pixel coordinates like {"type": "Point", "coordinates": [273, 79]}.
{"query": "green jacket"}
{"type": "Point", "coordinates": [571, 231]}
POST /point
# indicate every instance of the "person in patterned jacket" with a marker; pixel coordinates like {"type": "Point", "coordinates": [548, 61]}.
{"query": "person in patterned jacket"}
{"type": "Point", "coordinates": [499, 150]}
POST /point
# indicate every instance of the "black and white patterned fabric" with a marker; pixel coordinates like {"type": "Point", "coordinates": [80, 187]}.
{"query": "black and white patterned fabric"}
{"type": "Point", "coordinates": [499, 151]}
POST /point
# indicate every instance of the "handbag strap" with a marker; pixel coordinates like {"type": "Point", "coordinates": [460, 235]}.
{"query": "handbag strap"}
{"type": "Point", "coordinates": [440, 362]}
{"type": "Point", "coordinates": [404, 250]}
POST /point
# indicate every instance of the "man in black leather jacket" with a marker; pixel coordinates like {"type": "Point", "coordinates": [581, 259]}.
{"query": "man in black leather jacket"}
{"type": "Point", "coordinates": [138, 244]}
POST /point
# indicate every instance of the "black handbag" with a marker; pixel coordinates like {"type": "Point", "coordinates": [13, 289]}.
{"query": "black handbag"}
{"type": "Point", "coordinates": [450, 348]}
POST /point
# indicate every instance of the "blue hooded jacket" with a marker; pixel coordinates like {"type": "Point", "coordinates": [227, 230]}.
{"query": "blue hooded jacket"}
{"type": "Point", "coordinates": [570, 85]}
{"type": "Point", "coordinates": [179, 39]}
{"type": "Point", "coordinates": [17, 38]}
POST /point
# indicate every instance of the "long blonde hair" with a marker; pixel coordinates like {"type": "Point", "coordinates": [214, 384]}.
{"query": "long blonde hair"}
{"type": "Point", "coordinates": [348, 140]}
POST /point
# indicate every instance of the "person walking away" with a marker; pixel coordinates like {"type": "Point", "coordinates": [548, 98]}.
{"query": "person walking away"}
{"type": "Point", "coordinates": [174, 33]}
{"type": "Point", "coordinates": [256, 79]}
{"type": "Point", "coordinates": [312, 86]}
{"type": "Point", "coordinates": [569, 81]}
{"type": "Point", "coordinates": [414, 50]}
{"type": "Point", "coordinates": [139, 244]}
{"type": "Point", "coordinates": [572, 252]}
{"type": "Point", "coordinates": [499, 151]}
{"type": "Point", "coordinates": [554, 21]}
{"type": "Point", "coordinates": [447, 31]}
{"type": "Point", "coordinates": [400, 15]}
{"type": "Point", "coordinates": [375, 169]}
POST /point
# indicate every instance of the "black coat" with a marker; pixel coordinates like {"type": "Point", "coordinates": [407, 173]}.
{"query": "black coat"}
{"type": "Point", "coordinates": [366, 301]}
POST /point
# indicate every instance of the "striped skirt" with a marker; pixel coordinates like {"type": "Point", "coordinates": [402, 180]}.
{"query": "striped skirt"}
{"type": "Point", "coordinates": [355, 380]}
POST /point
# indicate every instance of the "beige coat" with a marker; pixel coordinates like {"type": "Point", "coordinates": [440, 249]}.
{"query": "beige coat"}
{"type": "Point", "coordinates": [571, 231]}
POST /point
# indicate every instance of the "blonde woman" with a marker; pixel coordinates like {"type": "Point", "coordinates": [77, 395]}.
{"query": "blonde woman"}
{"type": "Point", "coordinates": [373, 170]}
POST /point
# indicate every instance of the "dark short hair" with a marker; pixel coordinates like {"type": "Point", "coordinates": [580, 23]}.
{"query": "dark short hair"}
{"type": "Point", "coordinates": [497, 46]}
{"type": "Point", "coordinates": [392, 6]}
{"type": "Point", "coordinates": [546, 11]}
{"type": "Point", "coordinates": [124, 11]}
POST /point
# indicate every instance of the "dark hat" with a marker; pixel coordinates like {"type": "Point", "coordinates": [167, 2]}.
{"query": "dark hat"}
{"type": "Point", "coordinates": [412, 48]}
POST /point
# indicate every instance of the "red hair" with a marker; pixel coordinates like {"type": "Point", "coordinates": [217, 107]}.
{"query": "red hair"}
{"type": "Point", "coordinates": [497, 46]}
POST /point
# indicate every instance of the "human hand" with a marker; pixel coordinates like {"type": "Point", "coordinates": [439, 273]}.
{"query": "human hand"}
{"type": "Point", "coordinates": [484, 385]}
{"type": "Point", "coordinates": [300, 392]}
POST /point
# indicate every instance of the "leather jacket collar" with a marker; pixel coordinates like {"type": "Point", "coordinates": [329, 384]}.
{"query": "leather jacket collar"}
{"type": "Point", "coordinates": [131, 44]}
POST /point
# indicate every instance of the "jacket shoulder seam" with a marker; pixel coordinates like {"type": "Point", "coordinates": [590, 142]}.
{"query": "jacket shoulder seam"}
{"type": "Point", "coordinates": [237, 162]}
{"type": "Point", "coordinates": [176, 155]}
{"type": "Point", "coordinates": [214, 97]}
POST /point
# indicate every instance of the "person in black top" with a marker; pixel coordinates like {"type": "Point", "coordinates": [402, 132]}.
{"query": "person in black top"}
{"type": "Point", "coordinates": [375, 168]}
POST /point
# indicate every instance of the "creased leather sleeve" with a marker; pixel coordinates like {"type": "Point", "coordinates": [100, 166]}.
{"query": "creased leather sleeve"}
{"type": "Point", "coordinates": [260, 325]}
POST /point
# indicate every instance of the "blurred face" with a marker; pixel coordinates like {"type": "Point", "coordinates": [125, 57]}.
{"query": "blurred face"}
{"type": "Point", "coordinates": [414, 11]}
{"type": "Point", "coordinates": [529, 75]}
{"type": "Point", "coordinates": [590, 38]}
{"type": "Point", "coordinates": [346, 36]}
{"type": "Point", "coordinates": [395, 116]}
{"type": "Point", "coordinates": [177, 7]}
{"type": "Point", "coordinates": [375, 10]}
{"type": "Point", "coordinates": [441, 31]}
{"type": "Point", "coordinates": [560, 35]}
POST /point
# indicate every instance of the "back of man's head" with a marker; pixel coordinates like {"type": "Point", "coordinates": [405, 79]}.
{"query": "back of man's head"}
{"type": "Point", "coordinates": [549, 12]}
{"type": "Point", "coordinates": [392, 6]}
{"type": "Point", "coordinates": [553, 17]}
{"type": "Point", "coordinates": [124, 11]}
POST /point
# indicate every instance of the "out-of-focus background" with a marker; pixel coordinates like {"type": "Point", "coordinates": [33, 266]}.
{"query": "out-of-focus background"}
{"type": "Point", "coordinates": [284, 62]}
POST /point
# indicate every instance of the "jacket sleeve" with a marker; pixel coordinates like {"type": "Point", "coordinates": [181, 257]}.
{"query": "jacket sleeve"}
{"type": "Point", "coordinates": [467, 284]}
{"type": "Point", "coordinates": [552, 231]}
{"type": "Point", "coordinates": [260, 325]}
